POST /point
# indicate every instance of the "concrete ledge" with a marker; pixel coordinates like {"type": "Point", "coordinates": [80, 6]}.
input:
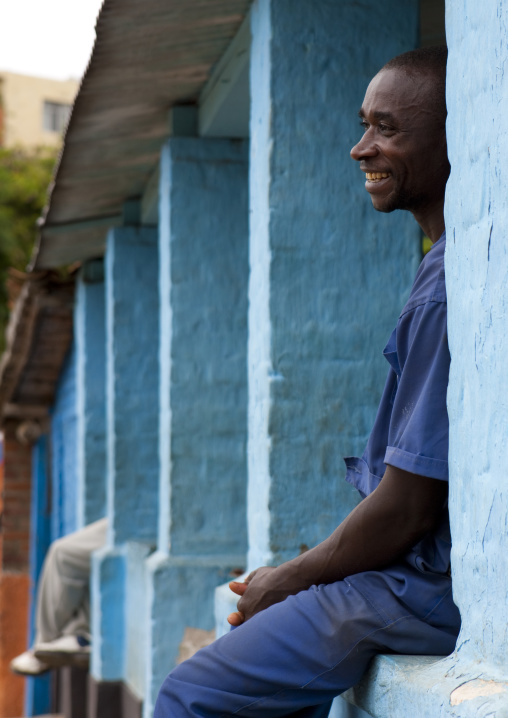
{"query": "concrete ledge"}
{"type": "Point", "coordinates": [431, 686]}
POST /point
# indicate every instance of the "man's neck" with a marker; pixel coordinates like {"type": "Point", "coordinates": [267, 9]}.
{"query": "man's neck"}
{"type": "Point", "coordinates": [432, 221]}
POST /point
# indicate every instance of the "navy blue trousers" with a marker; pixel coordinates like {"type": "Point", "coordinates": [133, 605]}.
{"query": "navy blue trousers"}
{"type": "Point", "coordinates": [295, 657]}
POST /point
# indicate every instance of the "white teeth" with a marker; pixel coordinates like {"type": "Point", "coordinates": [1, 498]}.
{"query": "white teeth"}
{"type": "Point", "coordinates": [376, 176]}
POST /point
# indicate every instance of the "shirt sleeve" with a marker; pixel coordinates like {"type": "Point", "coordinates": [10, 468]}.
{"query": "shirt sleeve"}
{"type": "Point", "coordinates": [418, 433]}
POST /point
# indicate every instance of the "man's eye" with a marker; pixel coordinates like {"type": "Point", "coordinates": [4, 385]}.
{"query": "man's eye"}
{"type": "Point", "coordinates": [364, 125]}
{"type": "Point", "coordinates": [385, 129]}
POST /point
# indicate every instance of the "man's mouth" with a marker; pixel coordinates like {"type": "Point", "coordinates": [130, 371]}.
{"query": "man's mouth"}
{"type": "Point", "coordinates": [376, 176]}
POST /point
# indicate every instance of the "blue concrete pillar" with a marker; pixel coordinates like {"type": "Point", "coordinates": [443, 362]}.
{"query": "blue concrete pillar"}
{"type": "Point", "coordinates": [89, 332]}
{"type": "Point", "coordinates": [132, 411]}
{"type": "Point", "coordinates": [132, 378]}
{"type": "Point", "coordinates": [64, 451]}
{"type": "Point", "coordinates": [38, 690]}
{"type": "Point", "coordinates": [476, 272]}
{"type": "Point", "coordinates": [203, 421]}
{"type": "Point", "coordinates": [328, 274]}
{"type": "Point", "coordinates": [108, 598]}
{"type": "Point", "coordinates": [119, 598]}
{"type": "Point", "coordinates": [203, 281]}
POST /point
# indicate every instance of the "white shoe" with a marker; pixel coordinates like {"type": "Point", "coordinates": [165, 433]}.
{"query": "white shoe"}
{"type": "Point", "coordinates": [63, 651]}
{"type": "Point", "coordinates": [26, 664]}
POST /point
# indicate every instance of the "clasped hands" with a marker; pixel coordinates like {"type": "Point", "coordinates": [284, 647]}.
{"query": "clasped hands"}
{"type": "Point", "coordinates": [261, 589]}
{"type": "Point", "coordinates": [258, 597]}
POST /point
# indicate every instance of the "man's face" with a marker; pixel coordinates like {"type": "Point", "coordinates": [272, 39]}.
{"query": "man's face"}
{"type": "Point", "coordinates": [403, 148]}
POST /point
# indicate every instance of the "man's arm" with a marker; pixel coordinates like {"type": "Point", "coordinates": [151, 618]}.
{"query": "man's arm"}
{"type": "Point", "coordinates": [383, 526]}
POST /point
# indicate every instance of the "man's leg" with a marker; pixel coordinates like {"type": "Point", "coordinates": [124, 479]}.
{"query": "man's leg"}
{"type": "Point", "coordinates": [62, 604]}
{"type": "Point", "coordinates": [296, 656]}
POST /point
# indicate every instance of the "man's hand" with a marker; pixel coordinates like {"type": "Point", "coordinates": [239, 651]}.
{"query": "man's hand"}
{"type": "Point", "coordinates": [261, 589]}
{"type": "Point", "coordinates": [386, 524]}
{"type": "Point", "coordinates": [237, 618]}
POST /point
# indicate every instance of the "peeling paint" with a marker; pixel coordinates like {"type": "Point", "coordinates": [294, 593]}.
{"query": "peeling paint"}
{"type": "Point", "coordinates": [476, 689]}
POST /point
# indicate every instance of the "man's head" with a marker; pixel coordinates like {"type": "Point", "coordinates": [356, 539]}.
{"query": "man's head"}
{"type": "Point", "coordinates": [403, 148]}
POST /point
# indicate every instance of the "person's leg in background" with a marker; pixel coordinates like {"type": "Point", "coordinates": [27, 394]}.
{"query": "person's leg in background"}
{"type": "Point", "coordinates": [62, 604]}
{"type": "Point", "coordinates": [62, 611]}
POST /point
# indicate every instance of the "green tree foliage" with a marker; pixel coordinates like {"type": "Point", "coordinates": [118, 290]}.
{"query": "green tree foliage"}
{"type": "Point", "coordinates": [24, 180]}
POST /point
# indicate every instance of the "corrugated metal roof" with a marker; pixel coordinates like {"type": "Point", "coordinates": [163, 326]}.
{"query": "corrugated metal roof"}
{"type": "Point", "coordinates": [148, 57]}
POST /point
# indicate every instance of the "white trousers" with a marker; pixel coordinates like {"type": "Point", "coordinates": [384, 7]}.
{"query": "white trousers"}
{"type": "Point", "coordinates": [63, 593]}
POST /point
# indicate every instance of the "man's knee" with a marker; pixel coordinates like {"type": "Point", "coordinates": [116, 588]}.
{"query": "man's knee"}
{"type": "Point", "coordinates": [58, 549]}
{"type": "Point", "coordinates": [53, 552]}
{"type": "Point", "coordinates": [62, 558]}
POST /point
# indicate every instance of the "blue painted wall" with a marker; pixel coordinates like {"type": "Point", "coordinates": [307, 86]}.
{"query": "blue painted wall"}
{"type": "Point", "coordinates": [204, 271]}
{"type": "Point", "coordinates": [132, 311]}
{"type": "Point", "coordinates": [38, 690]}
{"type": "Point", "coordinates": [477, 271]}
{"type": "Point", "coordinates": [90, 334]}
{"type": "Point", "coordinates": [328, 274]}
{"type": "Point", "coordinates": [64, 451]}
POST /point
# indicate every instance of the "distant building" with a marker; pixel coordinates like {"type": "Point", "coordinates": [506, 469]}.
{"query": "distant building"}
{"type": "Point", "coordinates": [34, 110]}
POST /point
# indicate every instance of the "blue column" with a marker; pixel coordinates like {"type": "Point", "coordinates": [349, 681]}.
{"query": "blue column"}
{"type": "Point", "coordinates": [64, 451]}
{"type": "Point", "coordinates": [89, 331]}
{"type": "Point", "coordinates": [132, 315]}
{"type": "Point", "coordinates": [476, 272]}
{"type": "Point", "coordinates": [203, 280]}
{"type": "Point", "coordinates": [203, 284]}
{"type": "Point", "coordinates": [132, 412]}
{"type": "Point", "coordinates": [328, 274]}
{"type": "Point", "coordinates": [38, 690]}
{"type": "Point", "coordinates": [108, 598]}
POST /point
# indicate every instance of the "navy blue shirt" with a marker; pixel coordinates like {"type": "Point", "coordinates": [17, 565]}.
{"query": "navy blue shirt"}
{"type": "Point", "coordinates": [411, 427]}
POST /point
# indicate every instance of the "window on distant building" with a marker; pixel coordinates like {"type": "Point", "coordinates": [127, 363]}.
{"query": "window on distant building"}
{"type": "Point", "coordinates": [55, 116]}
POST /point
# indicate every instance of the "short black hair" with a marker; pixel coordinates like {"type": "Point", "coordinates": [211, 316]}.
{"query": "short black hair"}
{"type": "Point", "coordinates": [426, 61]}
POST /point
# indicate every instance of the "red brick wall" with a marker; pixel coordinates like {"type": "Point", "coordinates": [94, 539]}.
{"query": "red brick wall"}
{"type": "Point", "coordinates": [14, 557]}
{"type": "Point", "coordinates": [15, 504]}
{"type": "Point", "coordinates": [13, 636]}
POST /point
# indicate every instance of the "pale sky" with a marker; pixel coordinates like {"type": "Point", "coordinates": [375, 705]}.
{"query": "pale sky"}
{"type": "Point", "coordinates": [47, 38]}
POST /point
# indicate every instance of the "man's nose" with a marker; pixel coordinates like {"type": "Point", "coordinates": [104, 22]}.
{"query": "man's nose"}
{"type": "Point", "coordinates": [364, 148]}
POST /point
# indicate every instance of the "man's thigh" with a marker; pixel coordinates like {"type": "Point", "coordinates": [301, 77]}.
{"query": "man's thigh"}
{"type": "Point", "coordinates": [296, 654]}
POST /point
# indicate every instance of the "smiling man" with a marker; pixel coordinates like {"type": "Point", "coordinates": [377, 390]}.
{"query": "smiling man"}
{"type": "Point", "coordinates": [403, 149]}
{"type": "Point", "coordinates": [306, 630]}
